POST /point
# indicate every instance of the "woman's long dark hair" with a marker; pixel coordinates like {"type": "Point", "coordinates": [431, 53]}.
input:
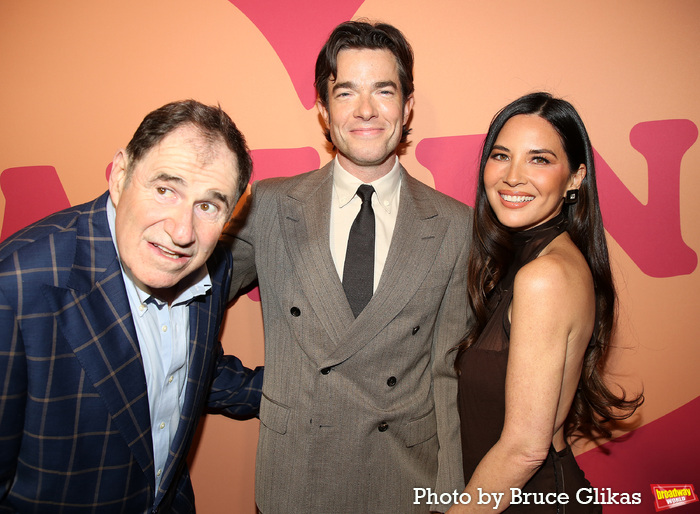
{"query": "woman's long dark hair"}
{"type": "Point", "coordinates": [491, 254]}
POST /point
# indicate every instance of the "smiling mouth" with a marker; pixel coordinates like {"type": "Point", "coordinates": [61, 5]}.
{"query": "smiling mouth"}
{"type": "Point", "coordinates": [168, 253]}
{"type": "Point", "coordinates": [516, 198]}
{"type": "Point", "coordinates": [367, 130]}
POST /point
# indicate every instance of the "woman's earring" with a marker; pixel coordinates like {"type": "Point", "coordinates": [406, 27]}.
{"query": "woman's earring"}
{"type": "Point", "coordinates": [571, 196]}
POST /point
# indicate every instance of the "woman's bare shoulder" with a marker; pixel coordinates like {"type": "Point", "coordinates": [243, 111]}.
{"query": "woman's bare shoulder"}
{"type": "Point", "coordinates": [560, 269]}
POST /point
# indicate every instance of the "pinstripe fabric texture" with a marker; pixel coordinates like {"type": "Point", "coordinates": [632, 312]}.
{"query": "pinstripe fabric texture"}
{"type": "Point", "coordinates": [356, 412]}
{"type": "Point", "coordinates": [75, 433]}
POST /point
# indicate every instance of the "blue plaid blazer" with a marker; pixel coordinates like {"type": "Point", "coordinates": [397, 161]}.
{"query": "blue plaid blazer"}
{"type": "Point", "coordinates": [75, 434]}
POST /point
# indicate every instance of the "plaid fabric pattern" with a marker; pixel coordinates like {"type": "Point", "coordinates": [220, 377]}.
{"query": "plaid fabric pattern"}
{"type": "Point", "coordinates": [75, 431]}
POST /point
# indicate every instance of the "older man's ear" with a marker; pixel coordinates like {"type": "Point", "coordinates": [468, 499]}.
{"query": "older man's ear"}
{"type": "Point", "coordinates": [117, 177]}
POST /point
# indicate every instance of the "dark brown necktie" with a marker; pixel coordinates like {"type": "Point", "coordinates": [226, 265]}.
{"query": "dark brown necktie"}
{"type": "Point", "coordinates": [358, 271]}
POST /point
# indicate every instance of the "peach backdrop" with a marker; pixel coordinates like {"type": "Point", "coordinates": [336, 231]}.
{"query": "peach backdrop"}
{"type": "Point", "coordinates": [77, 77]}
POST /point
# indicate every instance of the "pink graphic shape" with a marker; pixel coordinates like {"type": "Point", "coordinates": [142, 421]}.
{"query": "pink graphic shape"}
{"type": "Point", "coordinates": [454, 164]}
{"type": "Point", "coordinates": [651, 233]}
{"type": "Point", "coordinates": [284, 162]}
{"type": "Point", "coordinates": [297, 31]}
{"type": "Point", "coordinates": [31, 193]}
{"type": "Point", "coordinates": [665, 451]}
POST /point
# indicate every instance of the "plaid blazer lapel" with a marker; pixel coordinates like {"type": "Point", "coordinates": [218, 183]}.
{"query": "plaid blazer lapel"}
{"type": "Point", "coordinates": [93, 314]}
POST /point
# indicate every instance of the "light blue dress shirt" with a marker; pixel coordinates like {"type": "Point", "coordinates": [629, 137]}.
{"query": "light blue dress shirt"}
{"type": "Point", "coordinates": [163, 335]}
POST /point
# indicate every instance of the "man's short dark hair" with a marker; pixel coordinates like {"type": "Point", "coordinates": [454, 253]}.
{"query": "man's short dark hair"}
{"type": "Point", "coordinates": [212, 122]}
{"type": "Point", "coordinates": [364, 35]}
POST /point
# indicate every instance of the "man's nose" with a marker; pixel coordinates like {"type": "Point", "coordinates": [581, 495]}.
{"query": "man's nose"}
{"type": "Point", "coordinates": [179, 225]}
{"type": "Point", "coordinates": [366, 108]}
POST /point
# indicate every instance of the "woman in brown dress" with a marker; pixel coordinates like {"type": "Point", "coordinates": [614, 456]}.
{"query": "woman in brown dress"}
{"type": "Point", "coordinates": [543, 297]}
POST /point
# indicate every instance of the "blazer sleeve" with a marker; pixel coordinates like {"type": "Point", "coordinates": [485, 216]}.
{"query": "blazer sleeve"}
{"type": "Point", "coordinates": [451, 327]}
{"type": "Point", "coordinates": [13, 393]}
{"type": "Point", "coordinates": [238, 238]}
{"type": "Point", "coordinates": [236, 390]}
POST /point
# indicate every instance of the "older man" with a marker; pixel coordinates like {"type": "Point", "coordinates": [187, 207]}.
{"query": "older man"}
{"type": "Point", "coordinates": [362, 274]}
{"type": "Point", "coordinates": [109, 314]}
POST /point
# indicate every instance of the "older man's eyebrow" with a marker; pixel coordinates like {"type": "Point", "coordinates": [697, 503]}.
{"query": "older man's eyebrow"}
{"type": "Point", "coordinates": [222, 198]}
{"type": "Point", "coordinates": [217, 195]}
{"type": "Point", "coordinates": [166, 177]}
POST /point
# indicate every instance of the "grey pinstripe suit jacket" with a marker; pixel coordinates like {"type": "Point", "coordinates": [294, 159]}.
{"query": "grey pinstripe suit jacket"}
{"type": "Point", "coordinates": [75, 431]}
{"type": "Point", "coordinates": [355, 412]}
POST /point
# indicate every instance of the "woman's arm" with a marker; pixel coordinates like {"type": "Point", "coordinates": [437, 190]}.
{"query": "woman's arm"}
{"type": "Point", "coordinates": [551, 308]}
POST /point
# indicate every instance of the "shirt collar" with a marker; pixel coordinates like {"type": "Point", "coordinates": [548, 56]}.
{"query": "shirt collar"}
{"type": "Point", "coordinates": [200, 287]}
{"type": "Point", "coordinates": [345, 185]}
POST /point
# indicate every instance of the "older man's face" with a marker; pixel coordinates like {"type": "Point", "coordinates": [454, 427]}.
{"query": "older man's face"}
{"type": "Point", "coordinates": [171, 211]}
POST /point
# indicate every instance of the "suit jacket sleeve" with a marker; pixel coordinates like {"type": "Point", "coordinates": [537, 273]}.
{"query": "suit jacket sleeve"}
{"type": "Point", "coordinates": [13, 392]}
{"type": "Point", "coordinates": [236, 390]}
{"type": "Point", "coordinates": [238, 237]}
{"type": "Point", "coordinates": [451, 327]}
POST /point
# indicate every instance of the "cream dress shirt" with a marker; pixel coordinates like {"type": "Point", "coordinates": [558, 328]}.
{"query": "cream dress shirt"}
{"type": "Point", "coordinates": [345, 205]}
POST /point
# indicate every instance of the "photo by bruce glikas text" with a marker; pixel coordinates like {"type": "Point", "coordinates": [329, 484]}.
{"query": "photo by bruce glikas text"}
{"type": "Point", "coordinates": [584, 496]}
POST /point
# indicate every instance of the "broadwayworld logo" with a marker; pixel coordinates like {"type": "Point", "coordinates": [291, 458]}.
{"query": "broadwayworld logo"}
{"type": "Point", "coordinates": [668, 496]}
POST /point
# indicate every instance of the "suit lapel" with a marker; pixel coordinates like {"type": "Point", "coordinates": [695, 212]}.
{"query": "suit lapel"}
{"type": "Point", "coordinates": [416, 241]}
{"type": "Point", "coordinates": [304, 215]}
{"type": "Point", "coordinates": [93, 314]}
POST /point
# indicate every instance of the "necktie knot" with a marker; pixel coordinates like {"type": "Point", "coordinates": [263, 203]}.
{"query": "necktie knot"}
{"type": "Point", "coordinates": [365, 192]}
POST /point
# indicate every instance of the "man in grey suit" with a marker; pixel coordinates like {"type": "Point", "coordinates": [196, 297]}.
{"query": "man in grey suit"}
{"type": "Point", "coordinates": [363, 295]}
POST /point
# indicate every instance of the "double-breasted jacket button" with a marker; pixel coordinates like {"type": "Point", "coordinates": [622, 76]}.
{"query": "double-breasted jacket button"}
{"type": "Point", "coordinates": [415, 330]}
{"type": "Point", "coordinates": [295, 311]}
{"type": "Point", "coordinates": [391, 382]}
{"type": "Point", "coordinates": [383, 426]}
{"type": "Point", "coordinates": [325, 371]}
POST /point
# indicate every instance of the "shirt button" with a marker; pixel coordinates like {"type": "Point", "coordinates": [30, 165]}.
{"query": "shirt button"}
{"type": "Point", "coordinates": [164, 328]}
{"type": "Point", "coordinates": [170, 379]}
{"type": "Point", "coordinates": [415, 330]}
{"type": "Point", "coordinates": [160, 471]}
{"type": "Point", "coordinates": [162, 425]}
{"type": "Point", "coordinates": [325, 371]}
{"type": "Point", "coordinates": [383, 426]}
{"type": "Point", "coordinates": [391, 382]}
{"type": "Point", "coordinates": [142, 307]}
{"type": "Point", "coordinates": [294, 311]}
